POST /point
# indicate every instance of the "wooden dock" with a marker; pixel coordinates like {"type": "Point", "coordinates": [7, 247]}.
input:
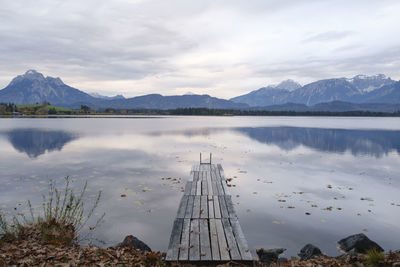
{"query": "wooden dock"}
{"type": "Point", "coordinates": [206, 227]}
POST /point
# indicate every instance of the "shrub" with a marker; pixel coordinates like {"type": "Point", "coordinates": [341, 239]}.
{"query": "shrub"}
{"type": "Point", "coordinates": [52, 111]}
{"type": "Point", "coordinates": [60, 222]}
{"type": "Point", "coordinates": [374, 258]}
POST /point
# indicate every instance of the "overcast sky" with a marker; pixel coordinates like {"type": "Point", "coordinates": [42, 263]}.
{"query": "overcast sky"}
{"type": "Point", "coordinates": [221, 48]}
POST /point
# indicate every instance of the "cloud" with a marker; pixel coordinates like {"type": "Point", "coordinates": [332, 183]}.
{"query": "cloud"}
{"type": "Point", "coordinates": [223, 48]}
{"type": "Point", "coordinates": [328, 36]}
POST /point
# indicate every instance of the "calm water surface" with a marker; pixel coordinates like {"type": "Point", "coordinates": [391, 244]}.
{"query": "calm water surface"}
{"type": "Point", "coordinates": [282, 167]}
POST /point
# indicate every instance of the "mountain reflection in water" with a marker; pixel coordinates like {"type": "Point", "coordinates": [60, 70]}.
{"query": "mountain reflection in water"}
{"type": "Point", "coordinates": [35, 142]}
{"type": "Point", "coordinates": [359, 142]}
{"type": "Point", "coordinates": [375, 143]}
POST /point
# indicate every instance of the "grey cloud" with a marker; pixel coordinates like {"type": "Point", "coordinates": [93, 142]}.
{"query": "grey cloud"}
{"type": "Point", "coordinates": [328, 36]}
{"type": "Point", "coordinates": [315, 68]}
{"type": "Point", "coordinates": [91, 47]}
{"type": "Point", "coordinates": [177, 44]}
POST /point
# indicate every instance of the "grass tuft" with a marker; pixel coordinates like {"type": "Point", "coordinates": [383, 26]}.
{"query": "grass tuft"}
{"type": "Point", "coordinates": [62, 218]}
{"type": "Point", "coordinates": [374, 258]}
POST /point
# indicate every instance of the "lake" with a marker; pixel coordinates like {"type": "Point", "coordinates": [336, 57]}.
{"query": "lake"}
{"type": "Point", "coordinates": [344, 172]}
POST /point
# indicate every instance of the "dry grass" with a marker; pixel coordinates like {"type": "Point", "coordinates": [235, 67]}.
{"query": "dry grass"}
{"type": "Point", "coordinates": [62, 218]}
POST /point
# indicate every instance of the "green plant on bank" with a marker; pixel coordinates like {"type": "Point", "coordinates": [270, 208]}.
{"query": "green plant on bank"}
{"type": "Point", "coordinates": [374, 258]}
{"type": "Point", "coordinates": [63, 216]}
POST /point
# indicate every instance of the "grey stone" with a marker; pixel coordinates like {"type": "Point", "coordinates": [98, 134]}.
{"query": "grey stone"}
{"type": "Point", "coordinates": [132, 241]}
{"type": "Point", "coordinates": [309, 251]}
{"type": "Point", "coordinates": [359, 243]}
{"type": "Point", "coordinates": [269, 255]}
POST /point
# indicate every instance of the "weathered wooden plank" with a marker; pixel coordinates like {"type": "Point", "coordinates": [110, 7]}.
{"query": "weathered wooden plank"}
{"type": "Point", "coordinates": [219, 187]}
{"type": "Point", "coordinates": [241, 240]}
{"type": "Point", "coordinates": [194, 185]}
{"type": "Point", "coordinates": [194, 247]}
{"type": "Point", "coordinates": [182, 207]}
{"type": "Point", "coordinates": [184, 247]}
{"type": "Point", "coordinates": [221, 183]}
{"type": "Point", "coordinates": [230, 239]}
{"type": "Point", "coordinates": [225, 187]}
{"type": "Point", "coordinates": [205, 247]}
{"type": "Point", "coordinates": [198, 189]}
{"type": "Point", "coordinates": [223, 246]}
{"type": "Point", "coordinates": [230, 207]}
{"type": "Point", "coordinates": [221, 174]}
{"type": "Point", "coordinates": [174, 242]}
{"type": "Point", "coordinates": [188, 188]}
{"type": "Point", "coordinates": [213, 181]}
{"type": "Point", "coordinates": [224, 208]}
{"type": "Point", "coordinates": [211, 172]}
{"type": "Point", "coordinates": [209, 184]}
{"type": "Point", "coordinates": [220, 169]}
{"type": "Point", "coordinates": [208, 168]}
{"type": "Point", "coordinates": [204, 185]}
{"type": "Point", "coordinates": [217, 208]}
{"type": "Point", "coordinates": [210, 200]}
{"type": "Point", "coordinates": [195, 176]}
{"type": "Point", "coordinates": [189, 207]}
{"type": "Point", "coordinates": [204, 207]}
{"type": "Point", "coordinates": [214, 188]}
{"type": "Point", "coordinates": [196, 207]}
{"type": "Point", "coordinates": [214, 241]}
{"type": "Point", "coordinates": [214, 172]}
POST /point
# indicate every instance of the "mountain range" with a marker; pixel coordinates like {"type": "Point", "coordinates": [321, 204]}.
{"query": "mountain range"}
{"type": "Point", "coordinates": [371, 93]}
{"type": "Point", "coordinates": [359, 89]}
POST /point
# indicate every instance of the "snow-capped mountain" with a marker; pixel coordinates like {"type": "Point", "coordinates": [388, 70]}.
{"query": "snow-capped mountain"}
{"type": "Point", "coordinates": [270, 95]}
{"type": "Point", "coordinates": [289, 85]}
{"type": "Point", "coordinates": [359, 89]}
{"type": "Point", "coordinates": [366, 84]}
{"type": "Point", "coordinates": [97, 95]}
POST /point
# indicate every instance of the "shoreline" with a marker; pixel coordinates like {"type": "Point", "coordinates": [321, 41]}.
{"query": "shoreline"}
{"type": "Point", "coordinates": [133, 252]}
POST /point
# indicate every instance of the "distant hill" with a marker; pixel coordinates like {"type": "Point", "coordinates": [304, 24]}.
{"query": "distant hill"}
{"type": "Point", "coordinates": [156, 101]}
{"type": "Point", "coordinates": [333, 106]}
{"type": "Point", "coordinates": [359, 89]}
{"type": "Point", "coordinates": [32, 87]}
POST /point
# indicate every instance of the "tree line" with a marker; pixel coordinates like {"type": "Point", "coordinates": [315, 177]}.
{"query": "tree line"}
{"type": "Point", "coordinates": [46, 108]}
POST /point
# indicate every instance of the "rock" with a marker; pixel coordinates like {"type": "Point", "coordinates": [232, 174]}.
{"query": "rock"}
{"type": "Point", "coordinates": [309, 251]}
{"type": "Point", "coordinates": [269, 255]}
{"type": "Point", "coordinates": [133, 241]}
{"type": "Point", "coordinates": [359, 242]}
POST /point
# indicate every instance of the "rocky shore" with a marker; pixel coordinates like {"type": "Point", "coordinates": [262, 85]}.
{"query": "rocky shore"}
{"type": "Point", "coordinates": [358, 250]}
